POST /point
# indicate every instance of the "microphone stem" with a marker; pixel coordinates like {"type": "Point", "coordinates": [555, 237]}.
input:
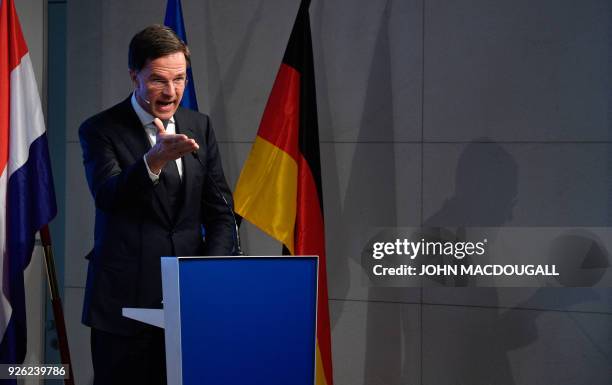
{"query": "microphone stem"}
{"type": "Point", "coordinates": [229, 207]}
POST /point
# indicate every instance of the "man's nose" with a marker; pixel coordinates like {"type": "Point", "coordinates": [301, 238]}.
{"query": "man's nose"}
{"type": "Point", "coordinates": [169, 89]}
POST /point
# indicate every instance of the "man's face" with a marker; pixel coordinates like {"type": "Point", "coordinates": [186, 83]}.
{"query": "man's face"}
{"type": "Point", "coordinates": [160, 84]}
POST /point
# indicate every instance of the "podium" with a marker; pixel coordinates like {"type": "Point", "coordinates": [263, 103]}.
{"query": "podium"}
{"type": "Point", "coordinates": [237, 320]}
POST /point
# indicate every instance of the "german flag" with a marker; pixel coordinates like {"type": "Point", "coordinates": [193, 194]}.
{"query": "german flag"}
{"type": "Point", "coordinates": [279, 189]}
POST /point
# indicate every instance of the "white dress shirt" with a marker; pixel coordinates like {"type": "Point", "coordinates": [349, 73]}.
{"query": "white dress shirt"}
{"type": "Point", "coordinates": [150, 128]}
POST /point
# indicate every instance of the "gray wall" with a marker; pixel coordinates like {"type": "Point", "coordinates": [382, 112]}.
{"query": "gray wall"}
{"type": "Point", "coordinates": [473, 112]}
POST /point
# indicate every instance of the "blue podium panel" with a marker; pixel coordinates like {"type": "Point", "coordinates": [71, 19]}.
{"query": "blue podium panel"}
{"type": "Point", "coordinates": [248, 320]}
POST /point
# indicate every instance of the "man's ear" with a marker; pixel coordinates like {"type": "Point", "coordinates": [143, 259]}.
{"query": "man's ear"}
{"type": "Point", "coordinates": [133, 76]}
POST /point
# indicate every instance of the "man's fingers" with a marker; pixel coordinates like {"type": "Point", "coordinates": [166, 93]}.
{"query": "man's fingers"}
{"type": "Point", "coordinates": [173, 150]}
{"type": "Point", "coordinates": [160, 126]}
{"type": "Point", "coordinates": [174, 138]}
{"type": "Point", "coordinates": [186, 147]}
{"type": "Point", "coordinates": [173, 146]}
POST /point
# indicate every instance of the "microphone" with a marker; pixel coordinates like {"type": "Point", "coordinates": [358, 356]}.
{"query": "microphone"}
{"type": "Point", "coordinates": [238, 249]}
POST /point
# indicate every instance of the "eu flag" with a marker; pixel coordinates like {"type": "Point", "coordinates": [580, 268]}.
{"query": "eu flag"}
{"type": "Point", "coordinates": [174, 20]}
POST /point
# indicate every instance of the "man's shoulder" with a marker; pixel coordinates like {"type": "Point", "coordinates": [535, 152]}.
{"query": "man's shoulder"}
{"type": "Point", "coordinates": [195, 122]}
{"type": "Point", "coordinates": [191, 116]}
{"type": "Point", "coordinates": [107, 118]}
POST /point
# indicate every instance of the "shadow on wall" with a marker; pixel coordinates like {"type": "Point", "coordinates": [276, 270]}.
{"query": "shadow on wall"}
{"type": "Point", "coordinates": [485, 195]}
{"type": "Point", "coordinates": [371, 201]}
{"type": "Point", "coordinates": [337, 262]}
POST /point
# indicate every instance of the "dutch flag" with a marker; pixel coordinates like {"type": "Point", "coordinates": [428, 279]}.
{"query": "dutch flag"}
{"type": "Point", "coordinates": [27, 197]}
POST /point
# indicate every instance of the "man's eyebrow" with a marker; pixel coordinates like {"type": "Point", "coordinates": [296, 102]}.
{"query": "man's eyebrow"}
{"type": "Point", "coordinates": [153, 75]}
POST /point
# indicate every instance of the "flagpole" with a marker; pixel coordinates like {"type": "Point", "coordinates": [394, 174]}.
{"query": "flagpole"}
{"type": "Point", "coordinates": [56, 301]}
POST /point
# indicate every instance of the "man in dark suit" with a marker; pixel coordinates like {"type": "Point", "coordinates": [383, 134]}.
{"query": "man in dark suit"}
{"type": "Point", "coordinates": [155, 173]}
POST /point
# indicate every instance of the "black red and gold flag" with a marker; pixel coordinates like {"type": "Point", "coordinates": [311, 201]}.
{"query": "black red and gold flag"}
{"type": "Point", "coordinates": [279, 189]}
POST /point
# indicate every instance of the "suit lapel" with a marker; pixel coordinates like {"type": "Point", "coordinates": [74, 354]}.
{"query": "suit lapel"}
{"type": "Point", "coordinates": [190, 164]}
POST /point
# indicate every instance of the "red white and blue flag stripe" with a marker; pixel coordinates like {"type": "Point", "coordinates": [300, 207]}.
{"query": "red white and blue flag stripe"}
{"type": "Point", "coordinates": [27, 197]}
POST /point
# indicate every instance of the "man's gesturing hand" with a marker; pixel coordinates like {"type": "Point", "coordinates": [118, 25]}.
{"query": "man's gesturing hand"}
{"type": "Point", "coordinates": [168, 147]}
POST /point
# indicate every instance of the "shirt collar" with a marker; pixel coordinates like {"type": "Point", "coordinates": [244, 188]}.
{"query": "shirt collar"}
{"type": "Point", "coordinates": [144, 116]}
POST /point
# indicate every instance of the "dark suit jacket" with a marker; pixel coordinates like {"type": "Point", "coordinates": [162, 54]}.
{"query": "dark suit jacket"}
{"type": "Point", "coordinates": [134, 226]}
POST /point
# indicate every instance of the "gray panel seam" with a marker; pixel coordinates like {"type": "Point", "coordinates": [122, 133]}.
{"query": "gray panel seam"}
{"type": "Point", "coordinates": [473, 306]}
